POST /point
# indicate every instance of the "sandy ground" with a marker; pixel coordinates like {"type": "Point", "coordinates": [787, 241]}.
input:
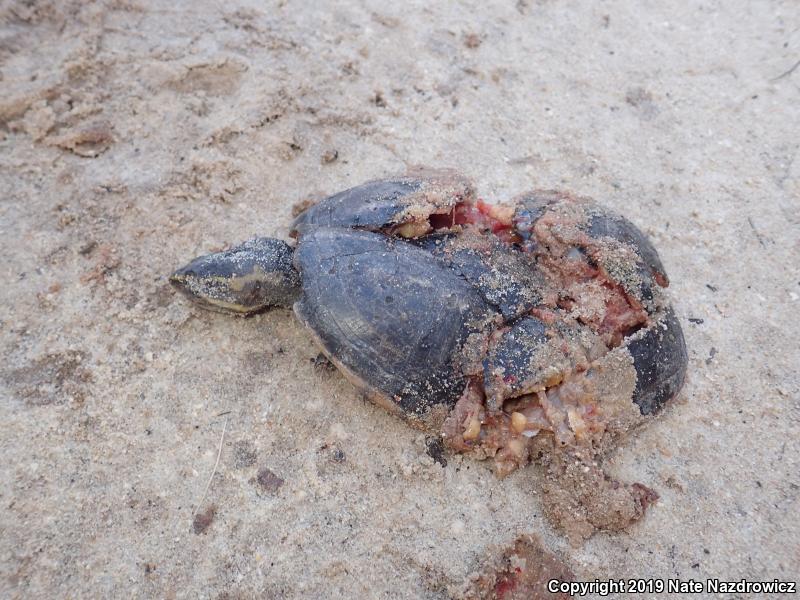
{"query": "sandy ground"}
{"type": "Point", "coordinates": [135, 135]}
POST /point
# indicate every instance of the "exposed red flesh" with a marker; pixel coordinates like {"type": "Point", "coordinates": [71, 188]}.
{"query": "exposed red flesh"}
{"type": "Point", "coordinates": [589, 282]}
{"type": "Point", "coordinates": [521, 572]}
{"type": "Point", "coordinates": [624, 315]}
{"type": "Point", "coordinates": [563, 251]}
{"type": "Point", "coordinates": [506, 585]}
{"type": "Point", "coordinates": [478, 214]}
{"type": "Point", "coordinates": [563, 263]}
{"type": "Point", "coordinates": [580, 290]}
{"type": "Point", "coordinates": [568, 412]}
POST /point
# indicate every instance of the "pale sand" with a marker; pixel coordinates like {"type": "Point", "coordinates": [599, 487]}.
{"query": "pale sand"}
{"type": "Point", "coordinates": [209, 120]}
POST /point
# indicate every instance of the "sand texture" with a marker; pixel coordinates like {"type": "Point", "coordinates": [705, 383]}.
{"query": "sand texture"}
{"type": "Point", "coordinates": [136, 134]}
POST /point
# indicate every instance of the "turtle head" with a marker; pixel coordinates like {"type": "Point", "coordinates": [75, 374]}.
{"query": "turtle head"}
{"type": "Point", "coordinates": [243, 280]}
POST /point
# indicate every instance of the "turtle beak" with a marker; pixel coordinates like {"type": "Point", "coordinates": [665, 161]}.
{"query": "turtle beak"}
{"type": "Point", "coordinates": [207, 291]}
{"type": "Point", "coordinates": [182, 280]}
{"type": "Point", "coordinates": [180, 276]}
{"type": "Point", "coordinates": [208, 281]}
{"type": "Point", "coordinates": [177, 279]}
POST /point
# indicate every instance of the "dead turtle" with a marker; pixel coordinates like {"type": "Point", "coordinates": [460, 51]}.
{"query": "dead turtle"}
{"type": "Point", "coordinates": [533, 328]}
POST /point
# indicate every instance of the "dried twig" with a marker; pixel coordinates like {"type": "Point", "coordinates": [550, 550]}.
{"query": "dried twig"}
{"type": "Point", "coordinates": [791, 70]}
{"type": "Point", "coordinates": [755, 231]}
{"type": "Point", "coordinates": [214, 471]}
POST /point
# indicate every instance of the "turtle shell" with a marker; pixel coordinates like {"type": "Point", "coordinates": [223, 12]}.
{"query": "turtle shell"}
{"type": "Point", "coordinates": [414, 293]}
{"type": "Point", "coordinates": [389, 315]}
